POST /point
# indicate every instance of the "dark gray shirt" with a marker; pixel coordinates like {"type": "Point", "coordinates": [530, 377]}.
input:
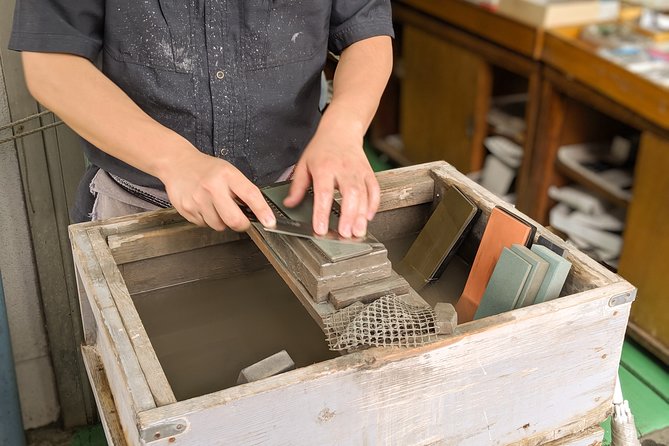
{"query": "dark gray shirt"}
{"type": "Point", "coordinates": [240, 79]}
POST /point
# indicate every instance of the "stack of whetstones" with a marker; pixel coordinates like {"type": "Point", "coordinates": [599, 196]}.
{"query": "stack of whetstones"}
{"type": "Point", "coordinates": [341, 273]}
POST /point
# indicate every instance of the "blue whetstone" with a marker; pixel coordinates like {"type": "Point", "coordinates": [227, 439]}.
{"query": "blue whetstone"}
{"type": "Point", "coordinates": [558, 269]}
{"type": "Point", "coordinates": [505, 285]}
{"type": "Point", "coordinates": [534, 279]}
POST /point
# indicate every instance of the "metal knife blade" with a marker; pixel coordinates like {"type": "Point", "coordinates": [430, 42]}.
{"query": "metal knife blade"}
{"type": "Point", "coordinates": [305, 230]}
{"type": "Point", "coordinates": [286, 226]}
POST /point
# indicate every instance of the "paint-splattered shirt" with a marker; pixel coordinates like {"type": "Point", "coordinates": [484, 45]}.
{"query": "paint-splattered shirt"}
{"type": "Point", "coordinates": [239, 79]}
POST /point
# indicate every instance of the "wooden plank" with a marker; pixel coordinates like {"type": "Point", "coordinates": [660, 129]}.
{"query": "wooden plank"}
{"type": "Point", "coordinates": [103, 397]}
{"type": "Point", "coordinates": [318, 286]}
{"type": "Point", "coordinates": [346, 400]}
{"type": "Point", "coordinates": [593, 436]}
{"type": "Point", "coordinates": [525, 174]}
{"type": "Point", "coordinates": [502, 30]}
{"type": "Point", "coordinates": [443, 112]}
{"type": "Point", "coordinates": [407, 186]}
{"type": "Point", "coordinates": [316, 261]}
{"type": "Point", "coordinates": [146, 244]}
{"type": "Point", "coordinates": [148, 361]}
{"type": "Point", "coordinates": [646, 240]}
{"type": "Point", "coordinates": [577, 60]}
{"type": "Point", "coordinates": [316, 310]}
{"type": "Point", "coordinates": [604, 104]}
{"type": "Point", "coordinates": [49, 168]}
{"type": "Point", "coordinates": [129, 387]}
{"type": "Point", "coordinates": [210, 262]}
{"type": "Point", "coordinates": [395, 284]}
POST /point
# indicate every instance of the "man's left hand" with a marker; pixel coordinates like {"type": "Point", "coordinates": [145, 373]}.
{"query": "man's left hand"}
{"type": "Point", "coordinates": [335, 159]}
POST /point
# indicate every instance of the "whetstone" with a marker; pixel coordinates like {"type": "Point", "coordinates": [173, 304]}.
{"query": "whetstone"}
{"type": "Point", "coordinates": [273, 365]}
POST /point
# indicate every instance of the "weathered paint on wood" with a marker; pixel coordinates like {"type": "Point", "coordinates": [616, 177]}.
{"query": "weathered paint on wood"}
{"type": "Point", "coordinates": [532, 376]}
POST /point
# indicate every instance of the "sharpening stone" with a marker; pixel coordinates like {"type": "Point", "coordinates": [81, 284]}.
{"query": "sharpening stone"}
{"type": "Point", "coordinates": [275, 364]}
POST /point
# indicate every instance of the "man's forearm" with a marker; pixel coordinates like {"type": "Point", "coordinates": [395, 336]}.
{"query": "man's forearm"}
{"type": "Point", "coordinates": [102, 113]}
{"type": "Point", "coordinates": [361, 76]}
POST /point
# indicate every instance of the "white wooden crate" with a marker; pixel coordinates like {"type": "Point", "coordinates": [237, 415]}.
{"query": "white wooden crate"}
{"type": "Point", "coordinates": [543, 374]}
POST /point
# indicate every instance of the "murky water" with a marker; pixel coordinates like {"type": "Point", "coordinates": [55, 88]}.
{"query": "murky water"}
{"type": "Point", "coordinates": [205, 332]}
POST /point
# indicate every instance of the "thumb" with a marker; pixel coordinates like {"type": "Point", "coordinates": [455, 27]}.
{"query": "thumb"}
{"type": "Point", "coordinates": [299, 186]}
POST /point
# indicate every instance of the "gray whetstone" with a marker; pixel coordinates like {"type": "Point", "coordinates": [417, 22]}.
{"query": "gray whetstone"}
{"type": "Point", "coordinates": [369, 292]}
{"type": "Point", "coordinates": [558, 270]}
{"type": "Point", "coordinates": [505, 285]}
{"type": "Point", "coordinates": [303, 212]}
{"type": "Point", "coordinates": [447, 318]}
{"type": "Point", "coordinates": [534, 279]}
{"type": "Point", "coordinates": [273, 365]}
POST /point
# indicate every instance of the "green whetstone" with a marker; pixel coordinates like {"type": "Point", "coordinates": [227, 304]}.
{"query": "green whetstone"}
{"type": "Point", "coordinates": [534, 279]}
{"type": "Point", "coordinates": [303, 212]}
{"type": "Point", "coordinates": [505, 285]}
{"type": "Point", "coordinates": [439, 239]}
{"type": "Point", "coordinates": [558, 269]}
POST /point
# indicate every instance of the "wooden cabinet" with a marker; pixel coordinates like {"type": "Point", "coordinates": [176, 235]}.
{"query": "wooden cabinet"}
{"type": "Point", "coordinates": [454, 58]}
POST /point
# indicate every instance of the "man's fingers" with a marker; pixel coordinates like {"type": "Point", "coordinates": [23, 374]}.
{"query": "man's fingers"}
{"type": "Point", "coordinates": [353, 205]}
{"type": "Point", "coordinates": [373, 196]}
{"type": "Point", "coordinates": [251, 195]}
{"type": "Point", "coordinates": [210, 216]}
{"type": "Point", "coordinates": [299, 185]}
{"type": "Point", "coordinates": [323, 196]}
{"type": "Point", "coordinates": [232, 216]}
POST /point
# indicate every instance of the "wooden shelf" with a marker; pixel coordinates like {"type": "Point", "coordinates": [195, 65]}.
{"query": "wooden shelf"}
{"type": "Point", "coordinates": [499, 29]}
{"type": "Point", "coordinates": [564, 51]}
{"type": "Point", "coordinates": [590, 185]}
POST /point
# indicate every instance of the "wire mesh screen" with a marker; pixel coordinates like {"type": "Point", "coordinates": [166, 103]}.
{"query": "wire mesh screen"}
{"type": "Point", "coordinates": [388, 321]}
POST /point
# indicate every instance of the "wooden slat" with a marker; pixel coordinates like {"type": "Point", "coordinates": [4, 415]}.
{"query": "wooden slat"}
{"type": "Point", "coordinates": [593, 436]}
{"type": "Point", "coordinates": [522, 392]}
{"type": "Point", "coordinates": [127, 382]}
{"type": "Point", "coordinates": [491, 52]}
{"type": "Point", "coordinates": [210, 262]}
{"type": "Point", "coordinates": [316, 310]}
{"type": "Point", "coordinates": [407, 186]}
{"type": "Point", "coordinates": [156, 242]}
{"type": "Point", "coordinates": [103, 397]}
{"type": "Point", "coordinates": [495, 27]}
{"type": "Point", "coordinates": [646, 241]}
{"type": "Point", "coordinates": [143, 350]}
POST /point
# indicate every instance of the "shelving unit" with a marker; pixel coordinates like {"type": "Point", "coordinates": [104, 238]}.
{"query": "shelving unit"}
{"type": "Point", "coordinates": [454, 57]}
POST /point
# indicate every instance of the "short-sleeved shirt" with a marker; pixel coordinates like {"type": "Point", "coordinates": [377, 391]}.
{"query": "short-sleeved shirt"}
{"type": "Point", "coordinates": [240, 79]}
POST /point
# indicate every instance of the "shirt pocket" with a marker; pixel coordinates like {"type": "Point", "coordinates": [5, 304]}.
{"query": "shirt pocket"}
{"type": "Point", "coordinates": [153, 33]}
{"type": "Point", "coordinates": [280, 32]}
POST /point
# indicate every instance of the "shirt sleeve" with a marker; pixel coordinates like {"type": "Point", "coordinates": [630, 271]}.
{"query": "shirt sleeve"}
{"type": "Point", "coordinates": [355, 20]}
{"type": "Point", "coordinates": [59, 26]}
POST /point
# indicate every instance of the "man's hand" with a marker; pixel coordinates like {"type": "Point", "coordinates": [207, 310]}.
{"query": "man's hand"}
{"type": "Point", "coordinates": [334, 159]}
{"type": "Point", "coordinates": [203, 189]}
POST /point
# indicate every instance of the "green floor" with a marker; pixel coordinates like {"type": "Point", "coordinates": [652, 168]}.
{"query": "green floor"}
{"type": "Point", "coordinates": [644, 380]}
{"type": "Point", "coordinates": [645, 384]}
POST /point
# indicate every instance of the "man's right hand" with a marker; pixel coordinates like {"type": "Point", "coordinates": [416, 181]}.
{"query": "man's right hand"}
{"type": "Point", "coordinates": [203, 190]}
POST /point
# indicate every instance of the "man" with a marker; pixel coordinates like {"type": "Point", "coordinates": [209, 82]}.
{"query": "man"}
{"type": "Point", "coordinates": [204, 98]}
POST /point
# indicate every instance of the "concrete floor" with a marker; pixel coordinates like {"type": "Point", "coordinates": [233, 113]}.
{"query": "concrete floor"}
{"type": "Point", "coordinates": [657, 438]}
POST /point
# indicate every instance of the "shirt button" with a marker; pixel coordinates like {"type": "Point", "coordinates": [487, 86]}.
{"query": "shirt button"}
{"type": "Point", "coordinates": [220, 74]}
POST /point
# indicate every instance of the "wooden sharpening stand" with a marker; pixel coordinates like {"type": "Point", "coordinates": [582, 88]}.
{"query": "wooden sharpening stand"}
{"type": "Point", "coordinates": [543, 374]}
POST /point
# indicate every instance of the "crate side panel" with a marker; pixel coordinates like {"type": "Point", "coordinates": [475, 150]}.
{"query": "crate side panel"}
{"type": "Point", "coordinates": [534, 376]}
